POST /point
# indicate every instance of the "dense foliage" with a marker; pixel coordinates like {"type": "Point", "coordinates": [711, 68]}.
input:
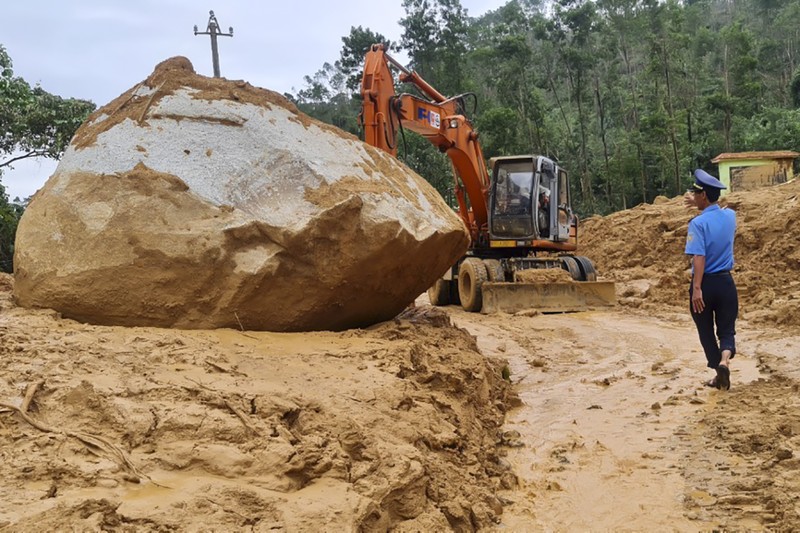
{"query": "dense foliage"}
{"type": "Point", "coordinates": [33, 123]}
{"type": "Point", "coordinates": [629, 95]}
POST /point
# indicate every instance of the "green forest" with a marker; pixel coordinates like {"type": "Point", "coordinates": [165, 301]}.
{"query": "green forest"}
{"type": "Point", "coordinates": [629, 96]}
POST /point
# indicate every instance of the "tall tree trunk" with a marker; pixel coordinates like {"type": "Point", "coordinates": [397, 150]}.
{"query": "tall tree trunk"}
{"type": "Point", "coordinates": [575, 80]}
{"type": "Point", "coordinates": [601, 115]}
{"type": "Point", "coordinates": [532, 143]}
{"type": "Point", "coordinates": [634, 100]}
{"type": "Point", "coordinates": [671, 113]}
{"type": "Point", "coordinates": [586, 180]}
{"type": "Point", "coordinates": [558, 102]}
{"type": "Point", "coordinates": [726, 124]}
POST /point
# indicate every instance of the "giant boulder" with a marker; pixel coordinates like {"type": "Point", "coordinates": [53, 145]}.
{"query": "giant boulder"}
{"type": "Point", "coordinates": [196, 202]}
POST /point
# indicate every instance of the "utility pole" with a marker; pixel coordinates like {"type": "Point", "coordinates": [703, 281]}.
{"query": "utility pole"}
{"type": "Point", "coordinates": [214, 31]}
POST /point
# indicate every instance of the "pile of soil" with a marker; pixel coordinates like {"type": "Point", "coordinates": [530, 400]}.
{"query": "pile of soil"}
{"type": "Point", "coordinates": [643, 249]}
{"type": "Point", "coordinates": [544, 275]}
{"type": "Point", "coordinates": [149, 429]}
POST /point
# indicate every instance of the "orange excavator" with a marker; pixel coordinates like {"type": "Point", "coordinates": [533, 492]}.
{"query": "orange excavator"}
{"type": "Point", "coordinates": [519, 219]}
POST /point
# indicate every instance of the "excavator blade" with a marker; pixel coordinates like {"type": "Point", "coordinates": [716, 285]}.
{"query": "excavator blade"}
{"type": "Point", "coordinates": [547, 297]}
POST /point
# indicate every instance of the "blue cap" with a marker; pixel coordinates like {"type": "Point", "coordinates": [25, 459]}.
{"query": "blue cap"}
{"type": "Point", "coordinates": [704, 180]}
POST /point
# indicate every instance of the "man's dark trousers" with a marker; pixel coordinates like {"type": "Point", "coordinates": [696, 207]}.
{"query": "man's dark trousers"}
{"type": "Point", "coordinates": [721, 306]}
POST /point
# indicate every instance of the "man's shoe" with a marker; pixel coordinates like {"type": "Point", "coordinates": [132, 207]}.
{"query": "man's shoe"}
{"type": "Point", "coordinates": [723, 377]}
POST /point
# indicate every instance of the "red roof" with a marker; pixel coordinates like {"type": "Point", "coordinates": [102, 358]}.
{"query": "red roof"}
{"type": "Point", "coordinates": [785, 154]}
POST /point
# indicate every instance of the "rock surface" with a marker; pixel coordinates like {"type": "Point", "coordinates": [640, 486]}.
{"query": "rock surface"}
{"type": "Point", "coordinates": [197, 202]}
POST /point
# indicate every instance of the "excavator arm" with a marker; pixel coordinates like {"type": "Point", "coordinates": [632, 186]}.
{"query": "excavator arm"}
{"type": "Point", "coordinates": [489, 277]}
{"type": "Point", "coordinates": [436, 118]}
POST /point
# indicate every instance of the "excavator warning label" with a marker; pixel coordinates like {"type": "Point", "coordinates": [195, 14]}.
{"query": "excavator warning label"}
{"type": "Point", "coordinates": [433, 118]}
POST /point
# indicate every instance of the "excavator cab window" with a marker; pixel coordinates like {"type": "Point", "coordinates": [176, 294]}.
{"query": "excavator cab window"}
{"type": "Point", "coordinates": [512, 201]}
{"type": "Point", "coordinates": [548, 188]}
{"type": "Point", "coordinates": [563, 216]}
{"type": "Point", "coordinates": [543, 211]}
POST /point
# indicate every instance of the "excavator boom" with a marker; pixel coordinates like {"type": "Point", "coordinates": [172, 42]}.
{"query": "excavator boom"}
{"type": "Point", "coordinates": [438, 119]}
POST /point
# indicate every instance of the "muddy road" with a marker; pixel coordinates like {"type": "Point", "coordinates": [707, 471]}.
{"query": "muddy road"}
{"type": "Point", "coordinates": [397, 427]}
{"type": "Point", "coordinates": [615, 430]}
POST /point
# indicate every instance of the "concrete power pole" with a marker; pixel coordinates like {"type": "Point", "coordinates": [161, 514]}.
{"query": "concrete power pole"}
{"type": "Point", "coordinates": [214, 31]}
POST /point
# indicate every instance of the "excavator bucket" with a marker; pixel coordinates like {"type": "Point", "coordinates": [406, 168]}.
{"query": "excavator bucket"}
{"type": "Point", "coordinates": [547, 297]}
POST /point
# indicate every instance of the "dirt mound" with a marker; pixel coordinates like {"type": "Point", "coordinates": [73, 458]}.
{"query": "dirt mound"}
{"type": "Point", "coordinates": [197, 202]}
{"type": "Point", "coordinates": [153, 429]}
{"type": "Point", "coordinates": [642, 249]}
{"type": "Point", "coordinates": [6, 282]}
{"type": "Point", "coordinates": [544, 275]}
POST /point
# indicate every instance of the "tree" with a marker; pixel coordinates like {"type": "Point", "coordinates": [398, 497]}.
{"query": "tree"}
{"type": "Point", "coordinates": [10, 214]}
{"type": "Point", "coordinates": [510, 84]}
{"type": "Point", "coordinates": [434, 34]}
{"type": "Point", "coordinates": [351, 58]}
{"type": "Point", "coordinates": [420, 35]}
{"type": "Point", "coordinates": [332, 93]}
{"type": "Point", "coordinates": [627, 95]}
{"type": "Point", "coordinates": [326, 98]}
{"type": "Point", "coordinates": [574, 28]}
{"type": "Point", "coordinates": [794, 89]}
{"type": "Point", "coordinates": [33, 123]}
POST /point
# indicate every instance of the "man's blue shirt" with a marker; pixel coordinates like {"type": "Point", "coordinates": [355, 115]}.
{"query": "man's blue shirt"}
{"type": "Point", "coordinates": [711, 235]}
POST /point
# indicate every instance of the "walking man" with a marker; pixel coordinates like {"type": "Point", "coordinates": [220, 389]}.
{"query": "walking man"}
{"type": "Point", "coordinates": [714, 300]}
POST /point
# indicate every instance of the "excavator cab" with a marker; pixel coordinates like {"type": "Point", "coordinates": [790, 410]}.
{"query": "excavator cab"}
{"type": "Point", "coordinates": [512, 208]}
{"type": "Point", "coordinates": [529, 200]}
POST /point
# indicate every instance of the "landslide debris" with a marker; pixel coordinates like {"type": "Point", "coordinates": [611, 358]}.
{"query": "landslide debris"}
{"type": "Point", "coordinates": [642, 249]}
{"type": "Point", "coordinates": [194, 202]}
{"type": "Point", "coordinates": [390, 428]}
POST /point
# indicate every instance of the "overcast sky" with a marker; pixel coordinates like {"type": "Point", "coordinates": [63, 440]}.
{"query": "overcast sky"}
{"type": "Point", "coordinates": [98, 49]}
